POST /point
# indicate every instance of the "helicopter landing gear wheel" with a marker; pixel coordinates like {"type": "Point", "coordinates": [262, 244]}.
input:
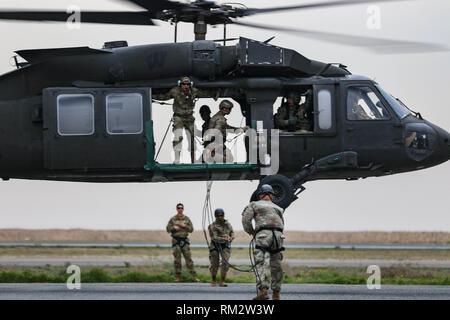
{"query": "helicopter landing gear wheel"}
{"type": "Point", "coordinates": [254, 196]}
{"type": "Point", "coordinates": [283, 188]}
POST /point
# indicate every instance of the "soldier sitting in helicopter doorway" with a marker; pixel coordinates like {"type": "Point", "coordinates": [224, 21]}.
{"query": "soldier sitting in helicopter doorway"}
{"type": "Point", "coordinates": [184, 97]}
{"type": "Point", "coordinates": [292, 116]}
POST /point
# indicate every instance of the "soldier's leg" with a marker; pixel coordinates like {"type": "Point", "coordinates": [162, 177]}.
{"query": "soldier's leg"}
{"type": "Point", "coordinates": [176, 251]}
{"type": "Point", "coordinates": [190, 131]}
{"type": "Point", "coordinates": [262, 265]}
{"type": "Point", "coordinates": [227, 156]}
{"type": "Point", "coordinates": [188, 258]}
{"type": "Point", "coordinates": [177, 130]}
{"type": "Point", "coordinates": [276, 271]}
{"type": "Point", "coordinates": [224, 266]}
{"type": "Point", "coordinates": [214, 262]}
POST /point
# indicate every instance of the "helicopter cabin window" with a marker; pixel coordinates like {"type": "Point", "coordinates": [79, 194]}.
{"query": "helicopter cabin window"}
{"type": "Point", "coordinates": [295, 111]}
{"type": "Point", "coordinates": [364, 104]}
{"type": "Point", "coordinates": [75, 114]}
{"type": "Point", "coordinates": [124, 113]}
{"type": "Point", "coordinates": [324, 103]}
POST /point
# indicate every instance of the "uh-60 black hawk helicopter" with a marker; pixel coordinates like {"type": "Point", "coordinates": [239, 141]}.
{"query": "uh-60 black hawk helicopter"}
{"type": "Point", "coordinates": [82, 114]}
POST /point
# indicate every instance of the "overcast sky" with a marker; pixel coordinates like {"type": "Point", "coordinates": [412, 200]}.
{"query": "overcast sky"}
{"type": "Point", "coordinates": [411, 201]}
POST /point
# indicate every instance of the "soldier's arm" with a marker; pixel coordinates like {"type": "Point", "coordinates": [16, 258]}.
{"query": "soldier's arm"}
{"type": "Point", "coordinates": [231, 230]}
{"type": "Point", "coordinates": [200, 93]}
{"type": "Point", "coordinates": [189, 227]}
{"type": "Point", "coordinates": [169, 227]}
{"type": "Point", "coordinates": [211, 232]}
{"type": "Point", "coordinates": [231, 127]}
{"type": "Point", "coordinates": [279, 118]}
{"type": "Point", "coordinates": [164, 96]}
{"type": "Point", "coordinates": [301, 111]}
{"type": "Point", "coordinates": [247, 217]}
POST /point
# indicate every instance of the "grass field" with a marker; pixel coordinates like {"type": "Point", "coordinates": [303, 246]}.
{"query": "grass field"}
{"type": "Point", "coordinates": [163, 271]}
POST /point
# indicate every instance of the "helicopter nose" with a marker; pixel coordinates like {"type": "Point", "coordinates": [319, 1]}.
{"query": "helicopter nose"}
{"type": "Point", "coordinates": [448, 146]}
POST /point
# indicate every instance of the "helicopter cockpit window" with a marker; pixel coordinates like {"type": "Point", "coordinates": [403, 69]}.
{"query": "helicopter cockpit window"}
{"type": "Point", "coordinates": [124, 113]}
{"type": "Point", "coordinates": [364, 104]}
{"type": "Point", "coordinates": [399, 108]}
{"type": "Point", "coordinates": [75, 113]}
{"type": "Point", "coordinates": [295, 111]}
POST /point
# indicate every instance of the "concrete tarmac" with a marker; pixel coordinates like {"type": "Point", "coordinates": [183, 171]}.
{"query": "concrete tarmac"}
{"type": "Point", "coordinates": [203, 291]}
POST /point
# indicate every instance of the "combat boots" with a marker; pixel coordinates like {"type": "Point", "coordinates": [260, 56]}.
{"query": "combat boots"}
{"type": "Point", "coordinates": [276, 295]}
{"type": "Point", "coordinates": [213, 280]}
{"type": "Point", "coordinates": [262, 295]}
{"type": "Point", "coordinates": [222, 280]}
{"type": "Point", "coordinates": [178, 279]}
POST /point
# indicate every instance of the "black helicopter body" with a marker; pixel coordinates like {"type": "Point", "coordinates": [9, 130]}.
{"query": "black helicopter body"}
{"type": "Point", "coordinates": [254, 74]}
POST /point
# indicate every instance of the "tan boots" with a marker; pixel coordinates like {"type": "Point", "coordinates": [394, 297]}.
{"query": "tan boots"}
{"type": "Point", "coordinates": [223, 276]}
{"type": "Point", "coordinates": [276, 295]}
{"type": "Point", "coordinates": [213, 280]}
{"type": "Point", "coordinates": [262, 295]}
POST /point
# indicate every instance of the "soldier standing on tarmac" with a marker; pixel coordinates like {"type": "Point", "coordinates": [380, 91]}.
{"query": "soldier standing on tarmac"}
{"type": "Point", "coordinates": [221, 234]}
{"type": "Point", "coordinates": [179, 227]}
{"type": "Point", "coordinates": [268, 235]}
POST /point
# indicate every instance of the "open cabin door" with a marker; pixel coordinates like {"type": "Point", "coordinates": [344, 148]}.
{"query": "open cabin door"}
{"type": "Point", "coordinates": [95, 128]}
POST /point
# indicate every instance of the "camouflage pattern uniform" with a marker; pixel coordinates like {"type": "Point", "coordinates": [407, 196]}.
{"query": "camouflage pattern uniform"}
{"type": "Point", "coordinates": [180, 242]}
{"type": "Point", "coordinates": [269, 224]}
{"type": "Point", "coordinates": [183, 110]}
{"type": "Point", "coordinates": [297, 112]}
{"type": "Point", "coordinates": [219, 230]}
{"type": "Point", "coordinates": [219, 122]}
{"type": "Point", "coordinates": [360, 114]}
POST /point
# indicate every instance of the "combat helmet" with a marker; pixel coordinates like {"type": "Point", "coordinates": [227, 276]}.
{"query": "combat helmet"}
{"type": "Point", "coordinates": [185, 80]}
{"type": "Point", "coordinates": [266, 189]}
{"type": "Point", "coordinates": [293, 95]}
{"type": "Point", "coordinates": [219, 211]}
{"type": "Point", "coordinates": [226, 104]}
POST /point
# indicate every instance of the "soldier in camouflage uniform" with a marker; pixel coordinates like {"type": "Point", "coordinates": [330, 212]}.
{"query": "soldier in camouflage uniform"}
{"type": "Point", "coordinates": [354, 109]}
{"type": "Point", "coordinates": [292, 117]}
{"type": "Point", "coordinates": [179, 227]}
{"type": "Point", "coordinates": [268, 235]}
{"type": "Point", "coordinates": [184, 97]}
{"type": "Point", "coordinates": [219, 122]}
{"type": "Point", "coordinates": [221, 234]}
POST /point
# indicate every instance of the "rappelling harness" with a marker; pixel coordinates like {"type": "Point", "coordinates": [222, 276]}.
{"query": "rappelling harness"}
{"type": "Point", "coordinates": [181, 242]}
{"type": "Point", "coordinates": [274, 239]}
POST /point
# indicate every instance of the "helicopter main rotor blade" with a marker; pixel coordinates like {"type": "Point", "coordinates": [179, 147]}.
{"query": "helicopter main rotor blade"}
{"type": "Point", "coordinates": [252, 11]}
{"type": "Point", "coordinates": [157, 5]}
{"type": "Point", "coordinates": [378, 45]}
{"type": "Point", "coordinates": [111, 17]}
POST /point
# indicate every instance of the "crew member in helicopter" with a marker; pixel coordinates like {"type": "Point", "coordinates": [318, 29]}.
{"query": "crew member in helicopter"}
{"type": "Point", "coordinates": [184, 97]}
